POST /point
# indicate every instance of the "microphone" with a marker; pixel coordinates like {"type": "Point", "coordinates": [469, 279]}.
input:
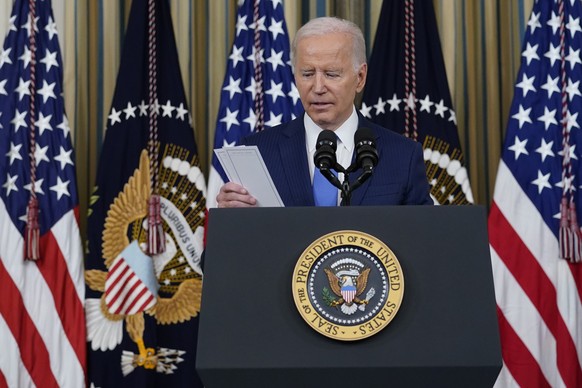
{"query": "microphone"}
{"type": "Point", "coordinates": [366, 153]}
{"type": "Point", "coordinates": [324, 157]}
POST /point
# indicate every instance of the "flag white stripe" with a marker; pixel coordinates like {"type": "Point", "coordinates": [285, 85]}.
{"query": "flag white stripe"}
{"type": "Point", "coordinates": [11, 364]}
{"type": "Point", "coordinates": [523, 316]}
{"type": "Point", "coordinates": [535, 234]}
{"type": "Point", "coordinates": [39, 303]}
{"type": "Point", "coordinates": [68, 237]}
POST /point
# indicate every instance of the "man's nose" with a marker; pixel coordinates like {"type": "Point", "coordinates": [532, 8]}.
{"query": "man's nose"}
{"type": "Point", "coordinates": [319, 83]}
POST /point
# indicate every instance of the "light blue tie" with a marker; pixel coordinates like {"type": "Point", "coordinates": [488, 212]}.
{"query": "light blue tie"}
{"type": "Point", "coordinates": [324, 193]}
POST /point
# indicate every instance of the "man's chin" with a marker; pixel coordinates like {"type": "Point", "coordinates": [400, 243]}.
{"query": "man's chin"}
{"type": "Point", "coordinates": [322, 121]}
{"type": "Point", "coordinates": [326, 125]}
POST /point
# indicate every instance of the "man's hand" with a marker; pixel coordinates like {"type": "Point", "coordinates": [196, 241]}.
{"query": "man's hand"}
{"type": "Point", "coordinates": [234, 195]}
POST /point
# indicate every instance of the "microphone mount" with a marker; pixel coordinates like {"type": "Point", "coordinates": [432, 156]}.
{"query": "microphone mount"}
{"type": "Point", "coordinates": [366, 159]}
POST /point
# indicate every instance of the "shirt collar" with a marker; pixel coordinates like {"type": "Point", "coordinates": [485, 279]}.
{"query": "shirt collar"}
{"type": "Point", "coordinates": [344, 132]}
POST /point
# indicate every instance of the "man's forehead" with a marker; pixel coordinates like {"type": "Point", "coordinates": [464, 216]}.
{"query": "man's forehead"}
{"type": "Point", "coordinates": [323, 49]}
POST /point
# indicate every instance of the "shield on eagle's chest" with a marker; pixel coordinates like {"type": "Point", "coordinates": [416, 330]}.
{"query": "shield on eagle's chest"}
{"type": "Point", "coordinates": [348, 293]}
{"type": "Point", "coordinates": [131, 285]}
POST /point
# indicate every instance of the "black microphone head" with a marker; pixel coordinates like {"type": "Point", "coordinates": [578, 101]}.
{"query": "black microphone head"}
{"type": "Point", "coordinates": [325, 148]}
{"type": "Point", "coordinates": [326, 137]}
{"type": "Point", "coordinates": [366, 153]}
{"type": "Point", "coordinates": [364, 134]}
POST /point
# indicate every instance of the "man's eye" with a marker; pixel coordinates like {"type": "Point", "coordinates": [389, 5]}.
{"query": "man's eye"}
{"type": "Point", "coordinates": [332, 75]}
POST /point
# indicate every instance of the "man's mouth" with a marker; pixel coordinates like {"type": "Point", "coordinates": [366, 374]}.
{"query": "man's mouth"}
{"type": "Point", "coordinates": [320, 104]}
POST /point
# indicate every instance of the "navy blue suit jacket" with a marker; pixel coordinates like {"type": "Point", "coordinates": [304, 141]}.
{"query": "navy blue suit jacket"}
{"type": "Point", "coordinates": [398, 179]}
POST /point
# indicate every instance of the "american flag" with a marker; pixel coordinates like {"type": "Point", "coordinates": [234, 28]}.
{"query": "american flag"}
{"type": "Point", "coordinates": [407, 92]}
{"type": "Point", "coordinates": [539, 294]}
{"type": "Point", "coordinates": [42, 325]}
{"type": "Point", "coordinates": [238, 116]}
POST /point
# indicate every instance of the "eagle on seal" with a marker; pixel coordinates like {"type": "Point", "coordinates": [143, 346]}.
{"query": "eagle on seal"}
{"type": "Point", "coordinates": [349, 293]}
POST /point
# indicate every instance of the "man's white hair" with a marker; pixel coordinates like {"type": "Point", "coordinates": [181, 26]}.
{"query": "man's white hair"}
{"type": "Point", "coordinates": [327, 25]}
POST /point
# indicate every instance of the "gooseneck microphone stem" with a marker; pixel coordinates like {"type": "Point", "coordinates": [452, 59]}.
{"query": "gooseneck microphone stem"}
{"type": "Point", "coordinates": [346, 191]}
{"type": "Point", "coordinates": [344, 187]}
{"type": "Point", "coordinates": [361, 179]}
{"type": "Point", "coordinates": [330, 176]}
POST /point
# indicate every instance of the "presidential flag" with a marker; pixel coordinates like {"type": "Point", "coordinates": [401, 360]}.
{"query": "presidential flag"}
{"type": "Point", "coordinates": [407, 92]}
{"type": "Point", "coordinates": [533, 229]}
{"type": "Point", "coordinates": [42, 324]}
{"type": "Point", "coordinates": [259, 89]}
{"type": "Point", "coordinates": [143, 295]}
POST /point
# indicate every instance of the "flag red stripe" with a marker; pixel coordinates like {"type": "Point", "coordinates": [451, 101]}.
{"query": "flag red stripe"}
{"type": "Point", "coordinates": [54, 270]}
{"type": "Point", "coordinates": [522, 365]}
{"type": "Point", "coordinates": [3, 383]}
{"type": "Point", "coordinates": [33, 351]}
{"type": "Point", "coordinates": [540, 290]}
{"type": "Point", "coordinates": [576, 270]}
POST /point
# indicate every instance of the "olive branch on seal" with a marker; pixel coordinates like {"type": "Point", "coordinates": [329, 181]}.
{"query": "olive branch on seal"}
{"type": "Point", "coordinates": [327, 296]}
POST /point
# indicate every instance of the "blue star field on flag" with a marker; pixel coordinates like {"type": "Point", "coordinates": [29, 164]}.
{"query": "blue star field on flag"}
{"type": "Point", "coordinates": [237, 116]}
{"type": "Point", "coordinates": [55, 172]}
{"type": "Point", "coordinates": [533, 145]}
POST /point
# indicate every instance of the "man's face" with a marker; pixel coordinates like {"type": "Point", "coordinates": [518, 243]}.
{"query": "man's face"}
{"type": "Point", "coordinates": [326, 79]}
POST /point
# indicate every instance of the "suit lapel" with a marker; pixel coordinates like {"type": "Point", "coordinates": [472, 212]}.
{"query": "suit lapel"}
{"type": "Point", "coordinates": [294, 156]}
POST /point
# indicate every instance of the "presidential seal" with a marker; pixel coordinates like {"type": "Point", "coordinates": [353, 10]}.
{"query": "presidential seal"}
{"type": "Point", "coordinates": [348, 285]}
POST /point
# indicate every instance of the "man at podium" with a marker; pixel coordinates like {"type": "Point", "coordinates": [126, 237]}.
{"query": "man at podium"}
{"type": "Point", "coordinates": [329, 61]}
{"type": "Point", "coordinates": [313, 319]}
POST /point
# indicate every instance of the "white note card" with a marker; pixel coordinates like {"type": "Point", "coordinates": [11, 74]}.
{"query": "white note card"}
{"type": "Point", "coordinates": [245, 165]}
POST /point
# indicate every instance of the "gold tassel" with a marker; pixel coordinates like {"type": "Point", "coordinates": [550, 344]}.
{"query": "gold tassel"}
{"type": "Point", "coordinates": [156, 236]}
{"type": "Point", "coordinates": [32, 232]}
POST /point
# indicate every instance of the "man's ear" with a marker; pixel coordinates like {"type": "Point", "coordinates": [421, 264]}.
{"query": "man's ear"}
{"type": "Point", "coordinates": [362, 74]}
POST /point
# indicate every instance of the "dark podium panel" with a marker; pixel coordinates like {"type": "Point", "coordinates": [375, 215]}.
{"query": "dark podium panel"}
{"type": "Point", "coordinates": [444, 335]}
